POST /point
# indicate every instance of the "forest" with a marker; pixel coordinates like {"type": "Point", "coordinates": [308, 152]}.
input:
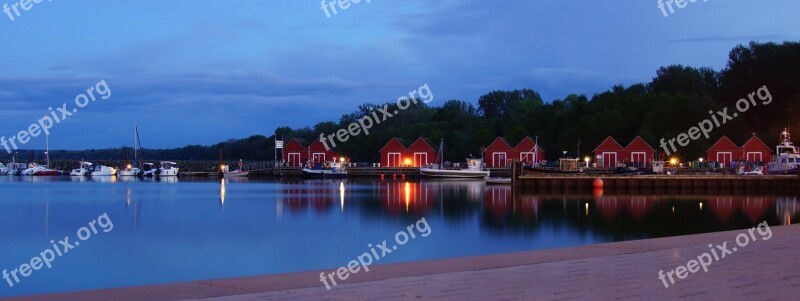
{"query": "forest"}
{"type": "Point", "coordinates": [677, 98]}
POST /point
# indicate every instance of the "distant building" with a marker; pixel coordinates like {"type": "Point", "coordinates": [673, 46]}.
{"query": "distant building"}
{"type": "Point", "coordinates": [296, 154]}
{"type": "Point", "coordinates": [725, 151]}
{"type": "Point", "coordinates": [755, 150]}
{"type": "Point", "coordinates": [501, 154]}
{"type": "Point", "coordinates": [396, 154]}
{"type": "Point", "coordinates": [608, 153]}
{"type": "Point", "coordinates": [637, 153]}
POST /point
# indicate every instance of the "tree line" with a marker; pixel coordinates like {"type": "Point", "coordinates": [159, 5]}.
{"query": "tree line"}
{"type": "Point", "coordinates": [676, 99]}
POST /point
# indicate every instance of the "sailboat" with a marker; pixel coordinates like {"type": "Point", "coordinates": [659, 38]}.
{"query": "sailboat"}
{"type": "Point", "coordinates": [474, 168]}
{"type": "Point", "coordinates": [39, 170]}
{"type": "Point", "coordinates": [132, 169]}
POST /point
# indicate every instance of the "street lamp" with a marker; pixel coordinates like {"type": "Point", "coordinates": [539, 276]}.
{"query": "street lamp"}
{"type": "Point", "coordinates": [587, 160]}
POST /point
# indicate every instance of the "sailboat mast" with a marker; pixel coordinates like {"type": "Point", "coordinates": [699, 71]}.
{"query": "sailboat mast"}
{"type": "Point", "coordinates": [135, 142]}
{"type": "Point", "coordinates": [47, 149]}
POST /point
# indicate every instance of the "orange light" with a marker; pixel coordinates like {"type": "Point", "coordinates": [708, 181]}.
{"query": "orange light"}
{"type": "Point", "coordinates": [408, 195]}
{"type": "Point", "coordinates": [407, 162]}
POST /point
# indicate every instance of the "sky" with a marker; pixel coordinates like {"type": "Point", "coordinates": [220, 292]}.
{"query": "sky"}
{"type": "Point", "coordinates": [201, 72]}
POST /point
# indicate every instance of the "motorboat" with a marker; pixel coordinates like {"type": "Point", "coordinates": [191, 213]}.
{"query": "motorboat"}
{"type": "Point", "coordinates": [129, 171]}
{"type": "Point", "coordinates": [85, 169]}
{"type": "Point", "coordinates": [39, 170]}
{"type": "Point", "coordinates": [15, 169]}
{"type": "Point", "coordinates": [333, 170]}
{"type": "Point", "coordinates": [168, 169]}
{"type": "Point", "coordinates": [3, 169]}
{"type": "Point", "coordinates": [103, 171]}
{"type": "Point", "coordinates": [474, 168]}
{"type": "Point", "coordinates": [787, 156]}
{"type": "Point", "coordinates": [149, 169]}
{"type": "Point", "coordinates": [236, 173]}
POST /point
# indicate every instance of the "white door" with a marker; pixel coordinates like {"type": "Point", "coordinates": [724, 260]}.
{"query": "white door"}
{"type": "Point", "coordinates": [294, 159]}
{"type": "Point", "coordinates": [610, 160]}
{"type": "Point", "coordinates": [754, 157]}
{"type": "Point", "coordinates": [393, 159]}
{"type": "Point", "coordinates": [420, 159]}
{"type": "Point", "coordinates": [318, 158]}
{"type": "Point", "coordinates": [725, 158]}
{"type": "Point", "coordinates": [639, 159]}
{"type": "Point", "coordinates": [498, 159]}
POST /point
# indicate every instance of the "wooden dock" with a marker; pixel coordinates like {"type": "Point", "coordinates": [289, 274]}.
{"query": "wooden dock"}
{"type": "Point", "coordinates": [663, 183]}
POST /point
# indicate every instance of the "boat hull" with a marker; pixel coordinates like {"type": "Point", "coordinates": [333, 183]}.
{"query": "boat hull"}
{"type": "Point", "coordinates": [237, 174]}
{"type": "Point", "coordinates": [453, 174]}
{"type": "Point", "coordinates": [326, 174]}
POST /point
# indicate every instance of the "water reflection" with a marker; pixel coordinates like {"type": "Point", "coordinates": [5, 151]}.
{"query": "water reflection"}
{"type": "Point", "coordinates": [619, 216]}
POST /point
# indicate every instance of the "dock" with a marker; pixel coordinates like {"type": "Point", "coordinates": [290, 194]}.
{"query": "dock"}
{"type": "Point", "coordinates": [660, 183]}
{"type": "Point", "coordinates": [763, 270]}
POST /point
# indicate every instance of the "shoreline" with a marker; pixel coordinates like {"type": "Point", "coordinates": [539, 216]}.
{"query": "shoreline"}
{"type": "Point", "coordinates": [307, 284]}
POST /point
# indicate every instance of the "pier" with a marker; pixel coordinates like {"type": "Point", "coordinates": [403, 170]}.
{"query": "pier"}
{"type": "Point", "coordinates": [660, 183]}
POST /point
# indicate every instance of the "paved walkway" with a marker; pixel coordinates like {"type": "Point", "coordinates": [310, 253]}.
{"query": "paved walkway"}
{"type": "Point", "coordinates": [763, 270]}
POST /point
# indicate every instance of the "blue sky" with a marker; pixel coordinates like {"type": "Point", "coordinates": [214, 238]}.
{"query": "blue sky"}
{"type": "Point", "coordinates": [200, 72]}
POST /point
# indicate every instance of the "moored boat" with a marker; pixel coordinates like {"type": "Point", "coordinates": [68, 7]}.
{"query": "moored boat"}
{"type": "Point", "coordinates": [333, 171]}
{"type": "Point", "coordinates": [787, 156]}
{"type": "Point", "coordinates": [239, 173]}
{"type": "Point", "coordinates": [498, 181]}
{"type": "Point", "coordinates": [474, 168]}
{"type": "Point", "coordinates": [148, 170]}
{"type": "Point", "coordinates": [103, 171]}
{"type": "Point", "coordinates": [85, 169]}
{"type": "Point", "coordinates": [168, 169]}
{"type": "Point", "coordinates": [132, 169]}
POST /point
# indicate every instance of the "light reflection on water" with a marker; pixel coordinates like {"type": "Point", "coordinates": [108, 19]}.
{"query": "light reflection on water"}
{"type": "Point", "coordinates": [173, 230]}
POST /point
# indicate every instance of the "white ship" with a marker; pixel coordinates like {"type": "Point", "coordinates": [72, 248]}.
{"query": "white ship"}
{"type": "Point", "coordinates": [787, 156]}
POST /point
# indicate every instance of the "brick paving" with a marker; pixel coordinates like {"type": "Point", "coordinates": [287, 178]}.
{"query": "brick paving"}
{"type": "Point", "coordinates": [763, 270]}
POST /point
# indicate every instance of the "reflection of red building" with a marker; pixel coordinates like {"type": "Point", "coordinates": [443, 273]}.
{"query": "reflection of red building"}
{"type": "Point", "coordinates": [637, 206]}
{"type": "Point", "coordinates": [299, 197]}
{"type": "Point", "coordinates": [499, 200]}
{"type": "Point", "coordinates": [399, 197]}
{"type": "Point", "coordinates": [754, 207]}
{"type": "Point", "coordinates": [420, 153]}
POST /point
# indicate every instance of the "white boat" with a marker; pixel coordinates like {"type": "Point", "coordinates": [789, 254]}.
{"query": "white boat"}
{"type": "Point", "coordinates": [498, 181]}
{"type": "Point", "coordinates": [85, 169]}
{"type": "Point", "coordinates": [39, 170]}
{"type": "Point", "coordinates": [3, 169]}
{"type": "Point", "coordinates": [787, 156]}
{"type": "Point", "coordinates": [149, 169]}
{"type": "Point", "coordinates": [333, 171]}
{"type": "Point", "coordinates": [236, 173]}
{"type": "Point", "coordinates": [103, 171]}
{"type": "Point", "coordinates": [168, 169]}
{"type": "Point", "coordinates": [474, 168]}
{"type": "Point", "coordinates": [758, 170]}
{"type": "Point", "coordinates": [132, 169]}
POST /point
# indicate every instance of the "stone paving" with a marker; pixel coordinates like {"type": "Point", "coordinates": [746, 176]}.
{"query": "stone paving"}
{"type": "Point", "coordinates": [763, 270]}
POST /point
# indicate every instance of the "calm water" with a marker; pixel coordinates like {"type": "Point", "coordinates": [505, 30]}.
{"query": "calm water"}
{"type": "Point", "coordinates": [176, 231]}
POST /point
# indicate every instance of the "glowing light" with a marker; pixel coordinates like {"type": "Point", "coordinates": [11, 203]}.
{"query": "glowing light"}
{"type": "Point", "coordinates": [587, 209]}
{"type": "Point", "coordinates": [222, 193]}
{"type": "Point", "coordinates": [701, 159]}
{"type": "Point", "coordinates": [407, 162]}
{"type": "Point", "coordinates": [129, 166]}
{"type": "Point", "coordinates": [341, 194]}
{"type": "Point", "coordinates": [408, 195]}
{"type": "Point", "coordinates": [673, 209]}
{"type": "Point", "coordinates": [587, 160]}
{"type": "Point", "coordinates": [673, 161]}
{"type": "Point", "coordinates": [701, 205]}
